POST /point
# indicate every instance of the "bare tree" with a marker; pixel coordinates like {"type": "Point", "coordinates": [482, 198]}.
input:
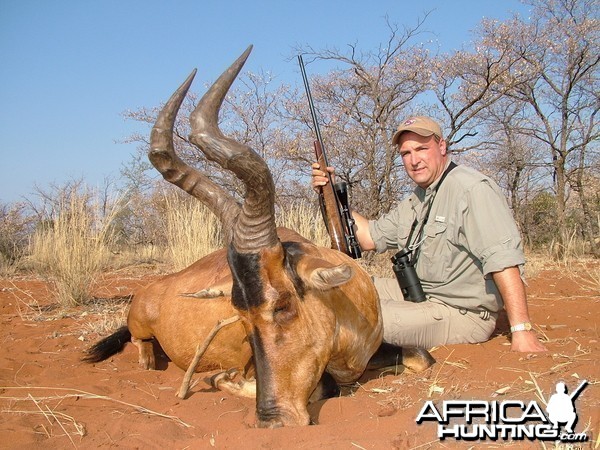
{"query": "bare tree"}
{"type": "Point", "coordinates": [248, 115]}
{"type": "Point", "coordinates": [360, 101]}
{"type": "Point", "coordinates": [512, 159]}
{"type": "Point", "coordinates": [467, 83]}
{"type": "Point", "coordinates": [557, 78]}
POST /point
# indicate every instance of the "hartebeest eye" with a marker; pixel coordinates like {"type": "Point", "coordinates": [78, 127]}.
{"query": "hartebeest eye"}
{"type": "Point", "coordinates": [284, 309]}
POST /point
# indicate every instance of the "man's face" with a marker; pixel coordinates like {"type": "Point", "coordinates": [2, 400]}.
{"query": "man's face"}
{"type": "Point", "coordinates": [424, 158]}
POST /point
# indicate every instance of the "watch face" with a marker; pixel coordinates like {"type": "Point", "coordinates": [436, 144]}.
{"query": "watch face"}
{"type": "Point", "coordinates": [527, 326]}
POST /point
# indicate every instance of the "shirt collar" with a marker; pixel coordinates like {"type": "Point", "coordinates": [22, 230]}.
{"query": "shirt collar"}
{"type": "Point", "coordinates": [423, 194]}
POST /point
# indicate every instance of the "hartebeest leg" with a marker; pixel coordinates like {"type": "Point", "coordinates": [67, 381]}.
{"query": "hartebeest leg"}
{"type": "Point", "coordinates": [146, 353]}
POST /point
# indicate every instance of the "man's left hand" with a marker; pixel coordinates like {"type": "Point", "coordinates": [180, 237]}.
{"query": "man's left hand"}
{"type": "Point", "coordinates": [527, 342]}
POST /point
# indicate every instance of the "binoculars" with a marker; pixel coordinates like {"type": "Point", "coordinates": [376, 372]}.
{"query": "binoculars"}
{"type": "Point", "coordinates": [407, 277]}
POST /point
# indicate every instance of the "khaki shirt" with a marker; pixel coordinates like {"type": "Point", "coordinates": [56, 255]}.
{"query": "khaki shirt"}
{"type": "Point", "coordinates": [470, 234]}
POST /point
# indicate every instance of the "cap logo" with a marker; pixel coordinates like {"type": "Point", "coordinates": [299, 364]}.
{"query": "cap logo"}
{"type": "Point", "coordinates": [410, 121]}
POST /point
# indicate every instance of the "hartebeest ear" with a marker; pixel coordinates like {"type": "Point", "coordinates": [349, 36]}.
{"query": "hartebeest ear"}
{"type": "Point", "coordinates": [320, 274]}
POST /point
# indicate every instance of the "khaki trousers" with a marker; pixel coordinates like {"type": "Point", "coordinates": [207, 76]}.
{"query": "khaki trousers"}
{"type": "Point", "coordinates": [429, 323]}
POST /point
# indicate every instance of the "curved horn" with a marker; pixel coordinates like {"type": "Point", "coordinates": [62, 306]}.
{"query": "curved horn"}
{"type": "Point", "coordinates": [255, 225]}
{"type": "Point", "coordinates": [162, 156]}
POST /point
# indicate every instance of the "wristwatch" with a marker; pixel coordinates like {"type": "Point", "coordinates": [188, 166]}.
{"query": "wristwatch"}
{"type": "Point", "coordinates": [526, 326]}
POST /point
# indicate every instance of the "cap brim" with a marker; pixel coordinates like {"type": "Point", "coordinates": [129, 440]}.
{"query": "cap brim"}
{"type": "Point", "coordinates": [420, 131]}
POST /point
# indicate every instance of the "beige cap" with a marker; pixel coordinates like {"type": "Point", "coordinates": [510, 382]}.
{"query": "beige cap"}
{"type": "Point", "coordinates": [423, 126]}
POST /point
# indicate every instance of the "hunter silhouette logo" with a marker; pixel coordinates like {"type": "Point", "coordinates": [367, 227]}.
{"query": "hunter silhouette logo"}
{"type": "Point", "coordinates": [561, 406]}
{"type": "Point", "coordinates": [472, 420]}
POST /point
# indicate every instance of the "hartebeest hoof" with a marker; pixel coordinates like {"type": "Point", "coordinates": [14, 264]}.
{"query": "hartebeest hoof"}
{"type": "Point", "coordinates": [327, 388]}
{"type": "Point", "coordinates": [225, 381]}
{"type": "Point", "coordinates": [417, 359]}
{"type": "Point", "coordinates": [146, 353]}
{"type": "Point", "coordinates": [392, 356]}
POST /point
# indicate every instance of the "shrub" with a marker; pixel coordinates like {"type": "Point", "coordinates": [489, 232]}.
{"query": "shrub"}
{"type": "Point", "coordinates": [73, 247]}
{"type": "Point", "coordinates": [14, 230]}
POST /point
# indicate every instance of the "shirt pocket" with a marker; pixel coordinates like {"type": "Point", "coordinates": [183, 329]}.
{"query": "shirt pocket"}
{"type": "Point", "coordinates": [403, 230]}
{"type": "Point", "coordinates": [434, 255]}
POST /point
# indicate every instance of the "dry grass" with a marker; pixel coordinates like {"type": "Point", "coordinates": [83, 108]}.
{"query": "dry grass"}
{"type": "Point", "coordinates": [111, 316]}
{"type": "Point", "coordinates": [7, 268]}
{"type": "Point", "coordinates": [587, 273]}
{"type": "Point", "coordinates": [73, 249]}
{"type": "Point", "coordinates": [584, 269]}
{"type": "Point", "coordinates": [70, 393]}
{"type": "Point", "coordinates": [537, 263]}
{"type": "Point", "coordinates": [378, 265]}
{"type": "Point", "coordinates": [193, 231]}
{"type": "Point", "coordinates": [138, 255]}
{"type": "Point", "coordinates": [570, 247]}
{"type": "Point", "coordinates": [304, 218]}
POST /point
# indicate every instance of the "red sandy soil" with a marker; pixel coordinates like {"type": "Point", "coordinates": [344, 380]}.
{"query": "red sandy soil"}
{"type": "Point", "coordinates": [50, 399]}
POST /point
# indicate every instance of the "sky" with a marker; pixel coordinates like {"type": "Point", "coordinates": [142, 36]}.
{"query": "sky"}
{"type": "Point", "coordinates": [70, 69]}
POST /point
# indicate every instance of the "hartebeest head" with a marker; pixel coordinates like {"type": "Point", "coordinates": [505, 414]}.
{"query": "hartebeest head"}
{"type": "Point", "coordinates": [282, 291]}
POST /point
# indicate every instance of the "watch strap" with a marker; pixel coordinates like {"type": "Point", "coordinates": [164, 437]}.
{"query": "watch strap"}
{"type": "Point", "coordinates": [525, 326]}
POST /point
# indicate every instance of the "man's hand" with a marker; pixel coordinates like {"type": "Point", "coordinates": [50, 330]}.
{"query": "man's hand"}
{"type": "Point", "coordinates": [527, 342]}
{"type": "Point", "coordinates": [319, 178]}
{"type": "Point", "coordinates": [361, 224]}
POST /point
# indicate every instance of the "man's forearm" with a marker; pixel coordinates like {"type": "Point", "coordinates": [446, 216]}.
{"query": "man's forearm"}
{"type": "Point", "coordinates": [362, 232]}
{"type": "Point", "coordinates": [512, 290]}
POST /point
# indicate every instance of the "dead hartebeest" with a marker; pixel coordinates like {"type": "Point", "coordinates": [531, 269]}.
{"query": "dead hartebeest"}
{"type": "Point", "coordinates": [306, 311]}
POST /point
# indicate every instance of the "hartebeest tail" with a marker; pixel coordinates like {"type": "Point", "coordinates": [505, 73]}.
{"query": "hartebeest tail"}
{"type": "Point", "coordinates": [109, 346]}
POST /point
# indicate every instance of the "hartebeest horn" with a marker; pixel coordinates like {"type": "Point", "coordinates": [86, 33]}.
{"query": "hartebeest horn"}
{"type": "Point", "coordinates": [255, 225]}
{"type": "Point", "coordinates": [174, 170]}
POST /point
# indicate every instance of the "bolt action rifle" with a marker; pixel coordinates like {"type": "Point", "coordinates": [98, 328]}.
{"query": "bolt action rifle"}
{"type": "Point", "coordinates": [333, 197]}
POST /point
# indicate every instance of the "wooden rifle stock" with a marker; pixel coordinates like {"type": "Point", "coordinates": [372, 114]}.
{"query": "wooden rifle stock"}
{"type": "Point", "coordinates": [330, 207]}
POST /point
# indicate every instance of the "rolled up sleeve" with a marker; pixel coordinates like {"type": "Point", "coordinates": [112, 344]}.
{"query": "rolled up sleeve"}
{"type": "Point", "coordinates": [384, 231]}
{"type": "Point", "coordinates": [391, 229]}
{"type": "Point", "coordinates": [490, 229]}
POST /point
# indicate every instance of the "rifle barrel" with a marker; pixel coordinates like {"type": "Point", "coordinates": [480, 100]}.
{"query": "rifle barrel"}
{"type": "Point", "coordinates": [577, 391]}
{"type": "Point", "coordinates": [311, 106]}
